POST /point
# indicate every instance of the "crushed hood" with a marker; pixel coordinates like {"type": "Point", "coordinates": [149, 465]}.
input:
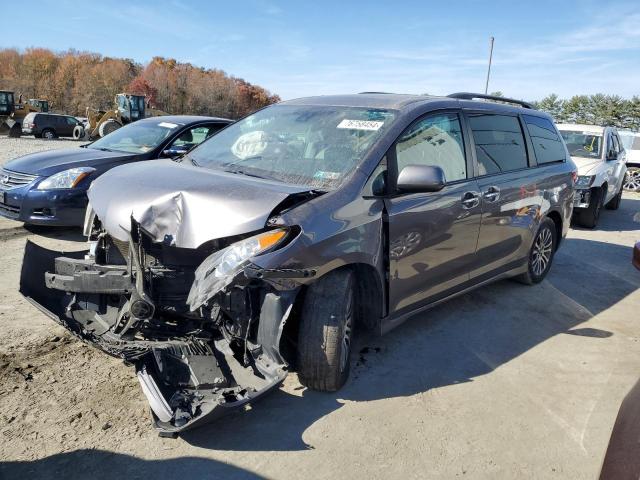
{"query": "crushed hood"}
{"type": "Point", "coordinates": [182, 205]}
{"type": "Point", "coordinates": [587, 166]}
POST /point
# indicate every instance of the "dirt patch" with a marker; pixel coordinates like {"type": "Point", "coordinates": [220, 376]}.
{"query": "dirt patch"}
{"type": "Point", "coordinates": [102, 409]}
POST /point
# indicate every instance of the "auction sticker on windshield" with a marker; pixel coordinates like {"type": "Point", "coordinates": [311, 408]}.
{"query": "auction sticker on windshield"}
{"type": "Point", "coordinates": [360, 125]}
{"type": "Point", "coordinates": [167, 125]}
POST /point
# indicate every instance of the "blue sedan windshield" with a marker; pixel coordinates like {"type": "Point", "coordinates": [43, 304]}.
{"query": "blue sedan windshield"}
{"type": "Point", "coordinates": [137, 137]}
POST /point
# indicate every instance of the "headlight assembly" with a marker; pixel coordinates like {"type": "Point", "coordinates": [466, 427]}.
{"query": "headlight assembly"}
{"type": "Point", "coordinates": [585, 180]}
{"type": "Point", "coordinates": [219, 268]}
{"type": "Point", "coordinates": [66, 179]}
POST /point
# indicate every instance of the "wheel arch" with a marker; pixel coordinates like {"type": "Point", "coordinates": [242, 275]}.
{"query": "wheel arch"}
{"type": "Point", "coordinates": [369, 301]}
{"type": "Point", "coordinates": [557, 220]}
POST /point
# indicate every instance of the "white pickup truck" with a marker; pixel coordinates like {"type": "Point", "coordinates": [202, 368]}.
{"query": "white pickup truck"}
{"type": "Point", "coordinates": [600, 157]}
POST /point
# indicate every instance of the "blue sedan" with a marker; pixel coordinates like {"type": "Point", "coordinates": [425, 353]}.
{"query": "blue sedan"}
{"type": "Point", "coordinates": [50, 188]}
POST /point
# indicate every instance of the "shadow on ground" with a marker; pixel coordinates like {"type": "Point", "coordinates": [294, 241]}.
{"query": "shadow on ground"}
{"type": "Point", "coordinates": [99, 464]}
{"type": "Point", "coordinates": [57, 233]}
{"type": "Point", "coordinates": [625, 219]}
{"type": "Point", "coordinates": [465, 338]}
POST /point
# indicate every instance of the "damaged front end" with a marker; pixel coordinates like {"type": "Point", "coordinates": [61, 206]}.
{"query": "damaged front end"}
{"type": "Point", "coordinates": [202, 327]}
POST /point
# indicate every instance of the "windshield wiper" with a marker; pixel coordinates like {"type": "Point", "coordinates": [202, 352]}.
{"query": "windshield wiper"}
{"type": "Point", "coordinates": [254, 175]}
{"type": "Point", "coordinates": [104, 149]}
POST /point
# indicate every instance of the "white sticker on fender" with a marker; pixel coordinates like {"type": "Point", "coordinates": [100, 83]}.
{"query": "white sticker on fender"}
{"type": "Point", "coordinates": [167, 125]}
{"type": "Point", "coordinates": [360, 125]}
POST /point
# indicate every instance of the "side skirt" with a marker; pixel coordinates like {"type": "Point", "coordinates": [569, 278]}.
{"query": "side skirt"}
{"type": "Point", "coordinates": [392, 321]}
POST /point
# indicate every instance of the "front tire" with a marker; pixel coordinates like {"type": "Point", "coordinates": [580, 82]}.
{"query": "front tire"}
{"type": "Point", "coordinates": [541, 253]}
{"type": "Point", "coordinates": [107, 127]}
{"type": "Point", "coordinates": [326, 331]}
{"type": "Point", "coordinates": [614, 203]}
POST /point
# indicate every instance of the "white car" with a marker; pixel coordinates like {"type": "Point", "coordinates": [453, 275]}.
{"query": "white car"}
{"type": "Point", "coordinates": [601, 160]}
{"type": "Point", "coordinates": [631, 143]}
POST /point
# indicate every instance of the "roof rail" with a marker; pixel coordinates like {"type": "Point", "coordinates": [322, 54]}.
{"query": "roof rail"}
{"type": "Point", "coordinates": [472, 96]}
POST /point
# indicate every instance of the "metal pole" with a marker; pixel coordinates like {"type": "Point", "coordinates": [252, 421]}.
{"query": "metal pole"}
{"type": "Point", "coordinates": [486, 85]}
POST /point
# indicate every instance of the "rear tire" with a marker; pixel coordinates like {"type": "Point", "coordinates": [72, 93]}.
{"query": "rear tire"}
{"type": "Point", "coordinates": [541, 253]}
{"type": "Point", "coordinates": [48, 134]}
{"type": "Point", "coordinates": [614, 203]}
{"type": "Point", "coordinates": [15, 131]}
{"type": "Point", "coordinates": [588, 217]}
{"type": "Point", "coordinates": [326, 330]}
{"type": "Point", "coordinates": [107, 127]}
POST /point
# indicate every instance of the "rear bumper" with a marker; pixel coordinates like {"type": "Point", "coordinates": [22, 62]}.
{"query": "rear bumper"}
{"type": "Point", "coordinates": [59, 208]}
{"type": "Point", "coordinates": [188, 381]}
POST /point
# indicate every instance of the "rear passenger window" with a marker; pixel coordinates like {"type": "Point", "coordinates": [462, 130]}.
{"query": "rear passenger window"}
{"type": "Point", "coordinates": [499, 143]}
{"type": "Point", "coordinates": [437, 141]}
{"type": "Point", "coordinates": [547, 144]}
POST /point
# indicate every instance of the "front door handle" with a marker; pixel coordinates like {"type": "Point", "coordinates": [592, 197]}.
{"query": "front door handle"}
{"type": "Point", "coordinates": [492, 194]}
{"type": "Point", "coordinates": [470, 200]}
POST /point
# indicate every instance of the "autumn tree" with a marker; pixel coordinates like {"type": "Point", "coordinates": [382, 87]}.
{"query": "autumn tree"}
{"type": "Point", "coordinates": [73, 81]}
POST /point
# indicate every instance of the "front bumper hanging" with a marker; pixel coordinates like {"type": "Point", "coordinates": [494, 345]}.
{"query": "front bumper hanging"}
{"type": "Point", "coordinates": [188, 381]}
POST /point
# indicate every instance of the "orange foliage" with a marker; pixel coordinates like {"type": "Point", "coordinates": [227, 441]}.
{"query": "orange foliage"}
{"type": "Point", "coordinates": [72, 81]}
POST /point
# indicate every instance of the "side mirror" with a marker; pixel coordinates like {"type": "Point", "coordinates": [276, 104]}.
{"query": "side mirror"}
{"type": "Point", "coordinates": [421, 178]}
{"type": "Point", "coordinates": [612, 155]}
{"type": "Point", "coordinates": [174, 152]}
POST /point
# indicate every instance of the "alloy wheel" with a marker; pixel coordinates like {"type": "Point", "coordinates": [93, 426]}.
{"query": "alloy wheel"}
{"type": "Point", "coordinates": [541, 254]}
{"type": "Point", "coordinates": [632, 181]}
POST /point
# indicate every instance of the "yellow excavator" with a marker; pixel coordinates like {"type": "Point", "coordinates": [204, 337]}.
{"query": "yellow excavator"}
{"type": "Point", "coordinates": [127, 108]}
{"type": "Point", "coordinates": [12, 113]}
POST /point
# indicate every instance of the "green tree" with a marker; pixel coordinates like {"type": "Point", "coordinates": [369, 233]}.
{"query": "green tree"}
{"type": "Point", "coordinates": [554, 106]}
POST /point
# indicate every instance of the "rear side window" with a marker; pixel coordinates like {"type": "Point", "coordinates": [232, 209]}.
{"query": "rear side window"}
{"type": "Point", "coordinates": [547, 144]}
{"type": "Point", "coordinates": [437, 141]}
{"type": "Point", "coordinates": [499, 143]}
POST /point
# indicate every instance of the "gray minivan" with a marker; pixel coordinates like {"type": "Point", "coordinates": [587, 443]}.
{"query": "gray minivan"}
{"type": "Point", "coordinates": [49, 125]}
{"type": "Point", "coordinates": [268, 246]}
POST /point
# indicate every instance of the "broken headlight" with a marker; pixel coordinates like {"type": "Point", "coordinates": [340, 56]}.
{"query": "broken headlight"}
{"type": "Point", "coordinates": [218, 270]}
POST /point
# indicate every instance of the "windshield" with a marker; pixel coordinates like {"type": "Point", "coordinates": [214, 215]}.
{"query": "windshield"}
{"type": "Point", "coordinates": [303, 145]}
{"type": "Point", "coordinates": [139, 137]}
{"type": "Point", "coordinates": [583, 144]}
{"type": "Point", "coordinates": [137, 103]}
{"type": "Point", "coordinates": [6, 98]}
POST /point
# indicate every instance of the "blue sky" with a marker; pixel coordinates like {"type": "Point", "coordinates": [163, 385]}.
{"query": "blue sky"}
{"type": "Point", "coordinates": [307, 48]}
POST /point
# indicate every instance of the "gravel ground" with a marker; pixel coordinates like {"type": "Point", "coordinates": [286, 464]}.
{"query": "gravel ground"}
{"type": "Point", "coordinates": [16, 147]}
{"type": "Point", "coordinates": [505, 382]}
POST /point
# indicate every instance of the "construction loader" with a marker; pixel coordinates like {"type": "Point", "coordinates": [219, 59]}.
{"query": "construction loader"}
{"type": "Point", "coordinates": [127, 108]}
{"type": "Point", "coordinates": [12, 113]}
